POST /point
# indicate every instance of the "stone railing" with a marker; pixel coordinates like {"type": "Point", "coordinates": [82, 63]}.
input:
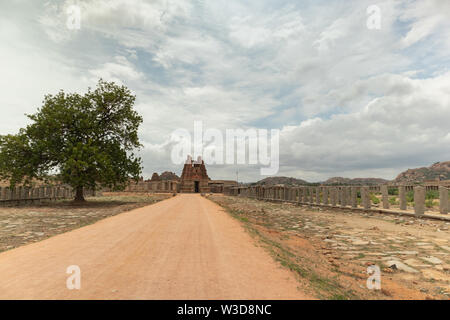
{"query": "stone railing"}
{"type": "Point", "coordinates": [352, 197]}
{"type": "Point", "coordinates": [24, 195]}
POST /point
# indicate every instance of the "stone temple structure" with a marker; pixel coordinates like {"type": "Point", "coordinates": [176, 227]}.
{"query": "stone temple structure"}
{"type": "Point", "coordinates": [194, 177]}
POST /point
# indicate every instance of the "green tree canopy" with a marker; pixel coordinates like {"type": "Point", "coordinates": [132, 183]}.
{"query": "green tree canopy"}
{"type": "Point", "coordinates": [87, 140]}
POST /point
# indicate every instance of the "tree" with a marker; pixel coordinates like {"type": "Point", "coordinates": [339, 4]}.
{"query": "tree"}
{"type": "Point", "coordinates": [87, 140]}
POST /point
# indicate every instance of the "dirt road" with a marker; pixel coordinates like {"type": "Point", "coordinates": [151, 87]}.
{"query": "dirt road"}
{"type": "Point", "coordinates": [182, 248]}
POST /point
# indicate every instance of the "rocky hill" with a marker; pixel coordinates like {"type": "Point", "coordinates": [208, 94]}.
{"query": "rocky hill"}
{"type": "Point", "coordinates": [438, 171]}
{"type": "Point", "coordinates": [355, 181]}
{"type": "Point", "coordinates": [271, 181]}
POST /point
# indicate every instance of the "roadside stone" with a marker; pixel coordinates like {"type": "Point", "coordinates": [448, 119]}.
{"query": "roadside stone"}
{"type": "Point", "coordinates": [416, 263]}
{"type": "Point", "coordinates": [360, 242]}
{"type": "Point", "coordinates": [393, 264]}
{"type": "Point", "coordinates": [432, 260]}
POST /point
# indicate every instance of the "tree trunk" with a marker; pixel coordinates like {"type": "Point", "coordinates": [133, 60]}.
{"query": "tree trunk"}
{"type": "Point", "coordinates": [79, 195]}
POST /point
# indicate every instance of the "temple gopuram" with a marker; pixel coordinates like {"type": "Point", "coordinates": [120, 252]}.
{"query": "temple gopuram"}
{"type": "Point", "coordinates": [194, 178]}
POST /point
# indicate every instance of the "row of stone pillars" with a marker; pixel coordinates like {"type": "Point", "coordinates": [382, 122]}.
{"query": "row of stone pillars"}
{"type": "Point", "coordinates": [344, 196]}
{"type": "Point", "coordinates": [27, 194]}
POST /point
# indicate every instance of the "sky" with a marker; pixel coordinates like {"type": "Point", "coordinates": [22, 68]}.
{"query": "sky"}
{"type": "Point", "coordinates": [348, 100]}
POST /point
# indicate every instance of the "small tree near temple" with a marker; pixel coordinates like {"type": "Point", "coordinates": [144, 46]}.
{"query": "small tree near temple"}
{"type": "Point", "coordinates": [87, 140]}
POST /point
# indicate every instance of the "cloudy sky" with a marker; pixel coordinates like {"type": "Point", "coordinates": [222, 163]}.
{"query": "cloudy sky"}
{"type": "Point", "coordinates": [348, 100]}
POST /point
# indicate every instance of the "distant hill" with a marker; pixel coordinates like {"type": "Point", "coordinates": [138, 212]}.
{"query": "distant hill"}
{"type": "Point", "coordinates": [438, 171]}
{"type": "Point", "coordinates": [355, 181]}
{"type": "Point", "coordinates": [271, 181]}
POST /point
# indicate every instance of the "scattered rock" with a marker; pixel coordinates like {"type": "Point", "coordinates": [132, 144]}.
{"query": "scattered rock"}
{"type": "Point", "coordinates": [432, 260]}
{"type": "Point", "coordinates": [400, 266]}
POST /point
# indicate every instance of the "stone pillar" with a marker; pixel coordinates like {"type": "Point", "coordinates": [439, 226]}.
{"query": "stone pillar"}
{"type": "Point", "coordinates": [318, 195]}
{"type": "Point", "coordinates": [419, 200]}
{"type": "Point", "coordinates": [443, 200]}
{"type": "Point", "coordinates": [311, 196]}
{"type": "Point", "coordinates": [365, 197]}
{"type": "Point", "coordinates": [325, 195]}
{"type": "Point", "coordinates": [354, 197]}
{"type": "Point", "coordinates": [343, 196]}
{"type": "Point", "coordinates": [349, 196]}
{"type": "Point", "coordinates": [19, 193]}
{"type": "Point", "coordinates": [333, 192]}
{"type": "Point", "coordinates": [385, 196]}
{"type": "Point", "coordinates": [402, 197]}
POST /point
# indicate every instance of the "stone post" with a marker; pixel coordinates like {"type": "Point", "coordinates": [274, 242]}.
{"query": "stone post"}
{"type": "Point", "coordinates": [443, 200]}
{"type": "Point", "coordinates": [343, 196]}
{"type": "Point", "coordinates": [402, 197]}
{"type": "Point", "coordinates": [385, 196]}
{"type": "Point", "coordinates": [419, 200]}
{"type": "Point", "coordinates": [318, 195]}
{"type": "Point", "coordinates": [311, 197]}
{"type": "Point", "coordinates": [325, 195]}
{"type": "Point", "coordinates": [354, 197]}
{"type": "Point", "coordinates": [333, 192]}
{"type": "Point", "coordinates": [19, 195]}
{"type": "Point", "coordinates": [365, 197]}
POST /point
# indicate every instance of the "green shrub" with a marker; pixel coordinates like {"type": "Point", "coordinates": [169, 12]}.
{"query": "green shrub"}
{"type": "Point", "coordinates": [393, 191]}
{"type": "Point", "coordinates": [374, 199]}
{"type": "Point", "coordinates": [432, 194]}
{"type": "Point", "coordinates": [393, 200]}
{"type": "Point", "coordinates": [410, 196]}
{"type": "Point", "coordinates": [429, 203]}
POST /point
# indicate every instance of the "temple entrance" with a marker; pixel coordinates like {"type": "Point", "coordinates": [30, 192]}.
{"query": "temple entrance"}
{"type": "Point", "coordinates": [197, 186]}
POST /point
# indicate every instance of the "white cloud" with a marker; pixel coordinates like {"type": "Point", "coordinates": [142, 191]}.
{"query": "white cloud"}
{"type": "Point", "coordinates": [351, 101]}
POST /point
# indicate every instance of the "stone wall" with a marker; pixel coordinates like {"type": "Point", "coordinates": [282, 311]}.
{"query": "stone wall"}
{"type": "Point", "coordinates": [154, 186]}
